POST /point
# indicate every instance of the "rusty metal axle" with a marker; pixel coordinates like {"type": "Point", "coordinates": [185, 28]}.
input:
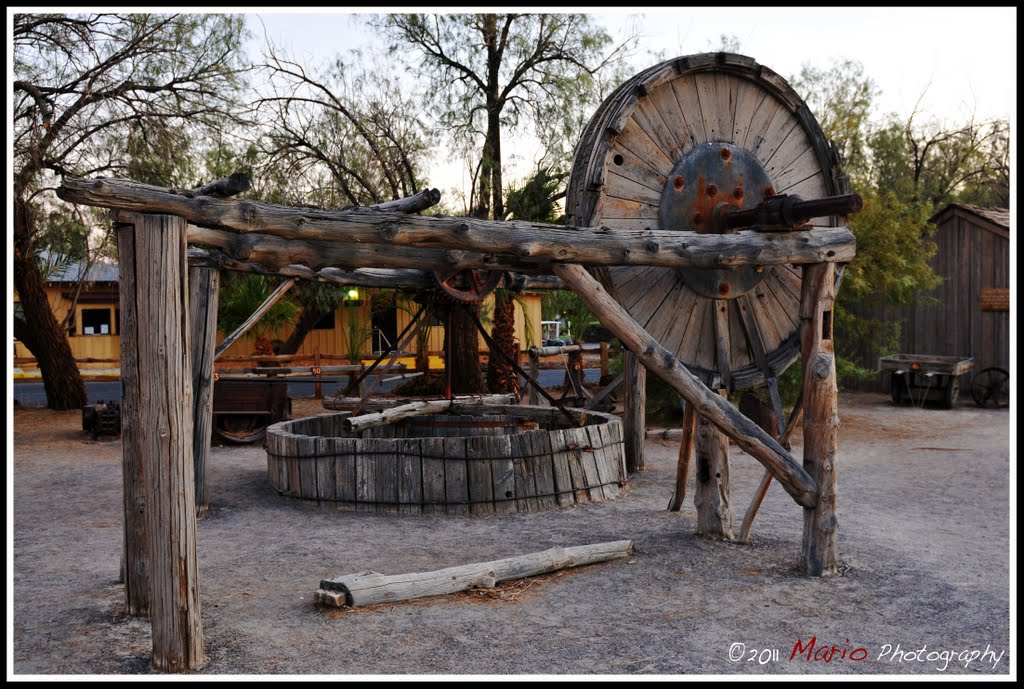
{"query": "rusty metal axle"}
{"type": "Point", "coordinates": [789, 211]}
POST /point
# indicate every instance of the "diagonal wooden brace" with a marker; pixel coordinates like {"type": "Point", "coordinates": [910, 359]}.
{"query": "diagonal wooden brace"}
{"type": "Point", "coordinates": [747, 434]}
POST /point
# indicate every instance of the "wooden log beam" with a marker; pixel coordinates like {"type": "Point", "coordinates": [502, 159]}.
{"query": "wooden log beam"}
{"type": "Point", "coordinates": [136, 567]}
{"type": "Point", "coordinates": [371, 588]}
{"type": "Point", "coordinates": [528, 242]}
{"type": "Point", "coordinates": [536, 352]}
{"type": "Point", "coordinates": [410, 204]}
{"type": "Point", "coordinates": [820, 553]}
{"type": "Point", "coordinates": [275, 253]}
{"type": "Point", "coordinates": [274, 297]}
{"type": "Point", "coordinates": [797, 482]}
{"type": "Point", "coordinates": [396, 278]}
{"type": "Point", "coordinates": [355, 424]}
{"type": "Point", "coordinates": [308, 370]}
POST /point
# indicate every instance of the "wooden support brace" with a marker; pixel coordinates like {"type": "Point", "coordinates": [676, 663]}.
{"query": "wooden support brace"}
{"type": "Point", "coordinates": [634, 418]}
{"type": "Point", "coordinates": [797, 482]}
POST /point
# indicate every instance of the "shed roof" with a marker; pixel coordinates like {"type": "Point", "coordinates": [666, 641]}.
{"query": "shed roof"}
{"type": "Point", "coordinates": [997, 216]}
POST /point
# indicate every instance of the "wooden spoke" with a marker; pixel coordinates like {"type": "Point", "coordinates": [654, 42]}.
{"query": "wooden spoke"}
{"type": "Point", "coordinates": [722, 341]}
{"type": "Point", "coordinates": [685, 90]}
{"type": "Point", "coordinates": [740, 355]}
{"type": "Point", "coordinates": [678, 319]}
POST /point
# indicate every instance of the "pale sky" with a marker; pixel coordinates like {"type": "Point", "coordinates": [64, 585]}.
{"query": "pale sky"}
{"type": "Point", "coordinates": [956, 61]}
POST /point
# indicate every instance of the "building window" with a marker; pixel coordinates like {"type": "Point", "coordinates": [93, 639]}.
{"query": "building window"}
{"type": "Point", "coordinates": [325, 323]}
{"type": "Point", "coordinates": [96, 322]}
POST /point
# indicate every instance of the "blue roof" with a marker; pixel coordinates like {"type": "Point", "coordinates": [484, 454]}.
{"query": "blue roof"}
{"type": "Point", "coordinates": [99, 271]}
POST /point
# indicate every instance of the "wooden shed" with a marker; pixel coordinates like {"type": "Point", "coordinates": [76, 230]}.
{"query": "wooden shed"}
{"type": "Point", "coordinates": [968, 315]}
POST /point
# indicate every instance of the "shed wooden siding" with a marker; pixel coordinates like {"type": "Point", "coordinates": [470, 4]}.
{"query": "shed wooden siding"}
{"type": "Point", "coordinates": [973, 254]}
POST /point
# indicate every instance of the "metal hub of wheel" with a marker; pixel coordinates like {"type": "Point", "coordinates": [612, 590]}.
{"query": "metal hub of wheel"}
{"type": "Point", "coordinates": [705, 182]}
{"type": "Point", "coordinates": [677, 147]}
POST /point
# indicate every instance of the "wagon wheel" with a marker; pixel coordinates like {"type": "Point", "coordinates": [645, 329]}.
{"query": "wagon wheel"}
{"type": "Point", "coordinates": [468, 285]}
{"type": "Point", "coordinates": [668, 150]}
{"type": "Point", "coordinates": [241, 429]}
{"type": "Point", "coordinates": [991, 388]}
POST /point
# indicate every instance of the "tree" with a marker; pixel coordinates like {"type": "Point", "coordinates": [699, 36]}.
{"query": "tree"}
{"type": "Point", "coordinates": [904, 171]}
{"type": "Point", "coordinates": [490, 72]}
{"type": "Point", "coordinates": [84, 85]}
{"type": "Point", "coordinates": [346, 137]}
{"type": "Point", "coordinates": [939, 164]}
{"type": "Point", "coordinates": [535, 199]}
{"type": "Point", "coordinates": [841, 99]}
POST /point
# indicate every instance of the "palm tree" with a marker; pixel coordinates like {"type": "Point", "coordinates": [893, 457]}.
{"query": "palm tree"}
{"type": "Point", "coordinates": [535, 199]}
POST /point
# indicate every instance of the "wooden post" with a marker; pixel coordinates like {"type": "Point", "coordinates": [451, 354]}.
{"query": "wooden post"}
{"type": "Point", "coordinates": [685, 451]}
{"type": "Point", "coordinates": [318, 386]}
{"type": "Point", "coordinates": [158, 385]}
{"type": "Point", "coordinates": [135, 567]}
{"type": "Point", "coordinates": [820, 554]}
{"type": "Point", "coordinates": [634, 420]}
{"type": "Point", "coordinates": [534, 397]}
{"type": "Point", "coordinates": [711, 497]}
{"type": "Point", "coordinates": [204, 292]}
{"type": "Point", "coordinates": [604, 359]}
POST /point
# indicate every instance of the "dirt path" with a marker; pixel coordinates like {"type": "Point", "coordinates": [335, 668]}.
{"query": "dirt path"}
{"type": "Point", "coordinates": [924, 541]}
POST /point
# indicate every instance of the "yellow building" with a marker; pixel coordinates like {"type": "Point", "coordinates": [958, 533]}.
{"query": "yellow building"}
{"type": "Point", "coordinates": [94, 330]}
{"type": "Point", "coordinates": [376, 331]}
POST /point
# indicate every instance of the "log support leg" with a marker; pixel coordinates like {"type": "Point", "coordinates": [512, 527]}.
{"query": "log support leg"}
{"type": "Point", "coordinates": [204, 288]}
{"type": "Point", "coordinates": [711, 496]}
{"type": "Point", "coordinates": [820, 554]}
{"type": "Point", "coordinates": [634, 421]}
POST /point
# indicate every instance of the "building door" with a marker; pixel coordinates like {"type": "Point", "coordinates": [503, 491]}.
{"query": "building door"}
{"type": "Point", "coordinates": [385, 329]}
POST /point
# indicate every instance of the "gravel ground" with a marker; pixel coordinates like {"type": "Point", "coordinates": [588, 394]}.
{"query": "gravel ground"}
{"type": "Point", "coordinates": [924, 543]}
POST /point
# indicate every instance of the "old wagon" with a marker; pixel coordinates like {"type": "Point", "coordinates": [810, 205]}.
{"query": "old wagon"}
{"type": "Point", "coordinates": [244, 407]}
{"type": "Point", "coordinates": [920, 378]}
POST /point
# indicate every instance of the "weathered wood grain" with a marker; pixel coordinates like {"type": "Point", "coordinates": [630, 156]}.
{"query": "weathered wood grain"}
{"type": "Point", "coordinates": [157, 293]}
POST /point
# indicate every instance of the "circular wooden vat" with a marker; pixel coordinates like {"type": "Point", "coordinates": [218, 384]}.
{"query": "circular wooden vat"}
{"type": "Point", "coordinates": [523, 459]}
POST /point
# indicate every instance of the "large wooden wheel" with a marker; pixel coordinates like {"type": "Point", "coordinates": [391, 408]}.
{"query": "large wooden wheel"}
{"type": "Point", "coordinates": [667, 150]}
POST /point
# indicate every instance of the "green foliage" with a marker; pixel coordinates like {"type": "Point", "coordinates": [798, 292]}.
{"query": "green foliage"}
{"type": "Point", "coordinates": [904, 171]}
{"type": "Point", "coordinates": [567, 305]}
{"type": "Point", "coordinates": [241, 294]}
{"type": "Point", "coordinates": [489, 75]}
{"type": "Point", "coordinates": [536, 198]}
{"type": "Point", "coordinates": [840, 98]}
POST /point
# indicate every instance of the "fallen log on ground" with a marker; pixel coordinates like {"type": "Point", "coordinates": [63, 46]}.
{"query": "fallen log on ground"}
{"type": "Point", "coordinates": [371, 588]}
